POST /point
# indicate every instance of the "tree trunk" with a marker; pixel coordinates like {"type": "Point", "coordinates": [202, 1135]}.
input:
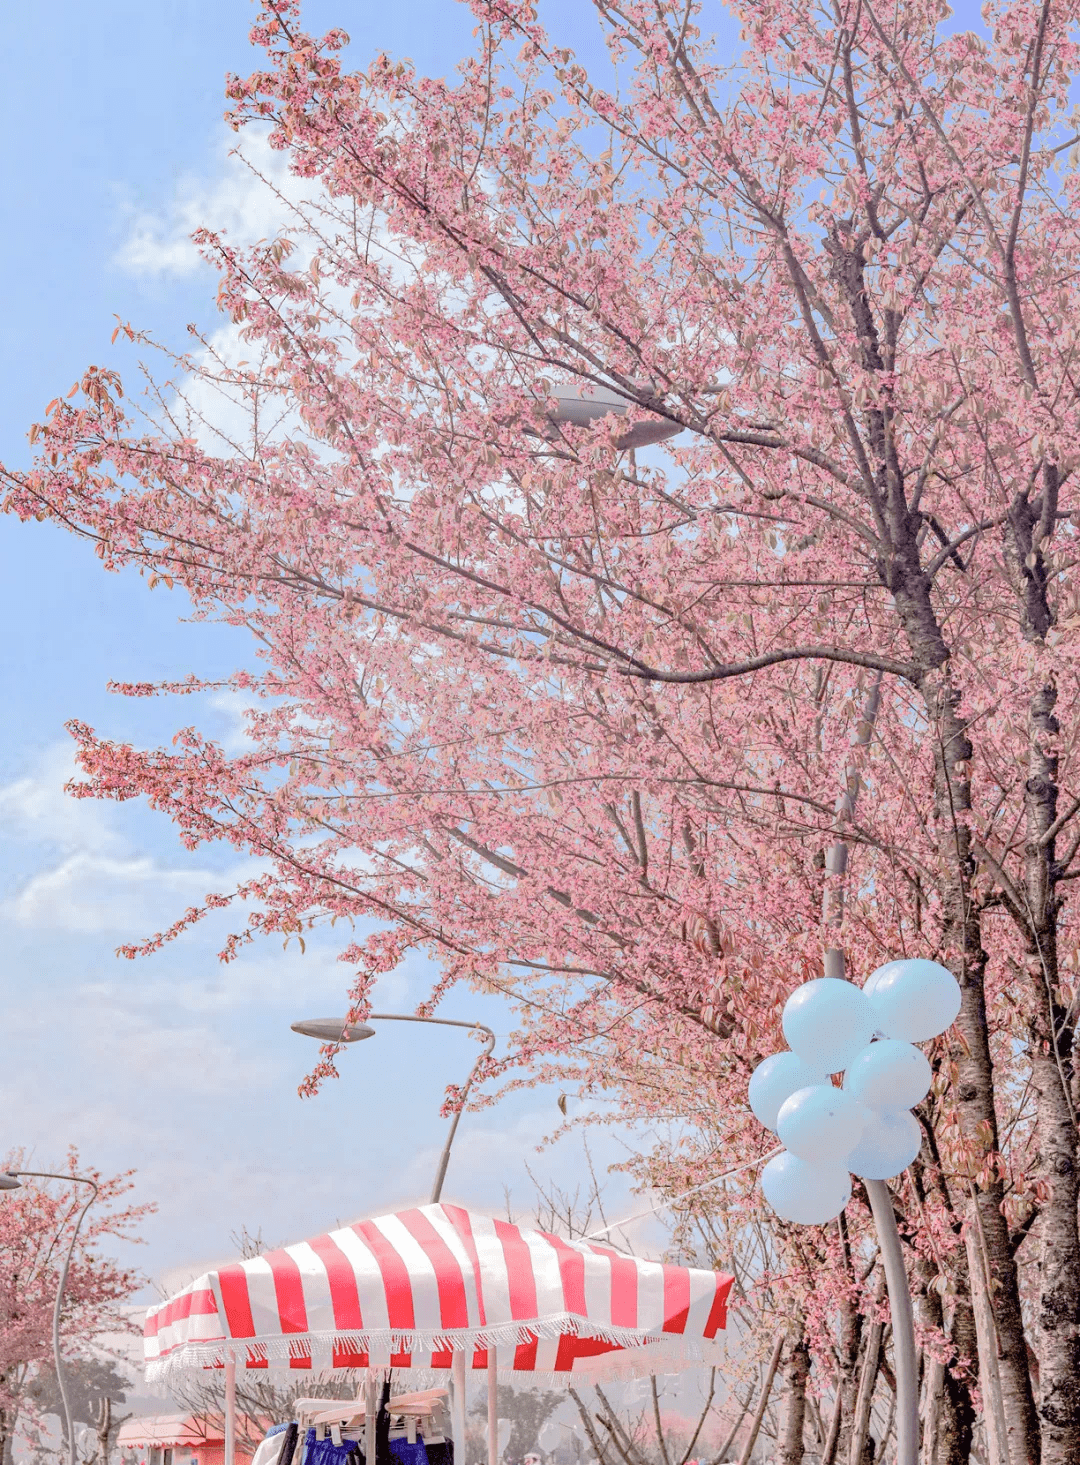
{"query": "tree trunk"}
{"type": "Point", "coordinates": [1055, 1126]}
{"type": "Point", "coordinates": [995, 1292]}
{"type": "Point", "coordinates": [947, 1413]}
{"type": "Point", "coordinates": [851, 1330]}
{"type": "Point", "coordinates": [864, 1399]}
{"type": "Point", "coordinates": [798, 1371]}
{"type": "Point", "coordinates": [104, 1428]}
{"type": "Point", "coordinates": [763, 1402]}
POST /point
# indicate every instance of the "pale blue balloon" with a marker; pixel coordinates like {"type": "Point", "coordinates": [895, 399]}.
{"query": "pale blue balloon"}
{"type": "Point", "coordinates": [827, 1021]}
{"type": "Point", "coordinates": [914, 999]}
{"type": "Point", "coordinates": [889, 1075]}
{"type": "Point", "coordinates": [890, 1142]}
{"type": "Point", "coordinates": [821, 1124]}
{"type": "Point", "coordinates": [776, 1079]}
{"type": "Point", "coordinates": [806, 1193]}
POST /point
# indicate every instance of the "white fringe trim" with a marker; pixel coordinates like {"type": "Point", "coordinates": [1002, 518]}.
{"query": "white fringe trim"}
{"type": "Point", "coordinates": [675, 1349]}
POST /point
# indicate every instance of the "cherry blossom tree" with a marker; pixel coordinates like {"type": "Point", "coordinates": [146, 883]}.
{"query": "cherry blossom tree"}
{"type": "Point", "coordinates": [574, 718]}
{"type": "Point", "coordinates": [36, 1225]}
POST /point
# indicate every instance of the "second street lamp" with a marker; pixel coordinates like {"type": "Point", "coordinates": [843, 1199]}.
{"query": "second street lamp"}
{"type": "Point", "coordinates": [339, 1030]}
{"type": "Point", "coordinates": [11, 1181]}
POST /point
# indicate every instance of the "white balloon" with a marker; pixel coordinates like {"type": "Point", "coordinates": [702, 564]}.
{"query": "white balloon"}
{"type": "Point", "coordinates": [775, 1080]}
{"type": "Point", "coordinates": [827, 1021]}
{"type": "Point", "coordinates": [914, 999]}
{"type": "Point", "coordinates": [821, 1124]}
{"type": "Point", "coordinates": [889, 1075]}
{"type": "Point", "coordinates": [809, 1194]}
{"type": "Point", "coordinates": [890, 1142]}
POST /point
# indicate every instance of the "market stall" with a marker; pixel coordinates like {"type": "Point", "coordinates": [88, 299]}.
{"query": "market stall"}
{"type": "Point", "coordinates": [440, 1287]}
{"type": "Point", "coordinates": [179, 1439]}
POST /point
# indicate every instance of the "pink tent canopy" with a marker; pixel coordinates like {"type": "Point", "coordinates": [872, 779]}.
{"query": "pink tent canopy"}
{"type": "Point", "coordinates": [414, 1289]}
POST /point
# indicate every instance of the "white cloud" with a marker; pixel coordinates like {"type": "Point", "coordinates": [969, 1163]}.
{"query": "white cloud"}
{"type": "Point", "coordinates": [251, 197]}
{"type": "Point", "coordinates": [141, 1051]}
{"type": "Point", "coordinates": [36, 807]}
{"type": "Point", "coordinates": [90, 893]}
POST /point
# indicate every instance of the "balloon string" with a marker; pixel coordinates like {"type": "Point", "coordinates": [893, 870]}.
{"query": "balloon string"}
{"type": "Point", "coordinates": [724, 1175]}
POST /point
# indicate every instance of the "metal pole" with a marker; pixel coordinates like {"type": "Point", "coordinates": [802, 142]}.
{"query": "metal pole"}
{"type": "Point", "coordinates": [371, 1406]}
{"type": "Point", "coordinates": [903, 1324]}
{"type": "Point", "coordinates": [230, 1413]}
{"type": "Point", "coordinates": [493, 1404]}
{"type": "Point", "coordinates": [458, 1377]}
{"type": "Point", "coordinates": [58, 1305]}
{"type": "Point", "coordinates": [449, 1022]}
{"type": "Point", "coordinates": [444, 1158]}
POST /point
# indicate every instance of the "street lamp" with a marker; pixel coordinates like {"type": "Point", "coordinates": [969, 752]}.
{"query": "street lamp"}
{"type": "Point", "coordinates": [582, 406]}
{"type": "Point", "coordinates": [10, 1181]}
{"type": "Point", "coordinates": [338, 1030]}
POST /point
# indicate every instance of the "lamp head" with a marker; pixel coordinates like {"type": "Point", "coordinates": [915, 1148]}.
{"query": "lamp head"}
{"type": "Point", "coordinates": [333, 1030]}
{"type": "Point", "coordinates": [10, 1182]}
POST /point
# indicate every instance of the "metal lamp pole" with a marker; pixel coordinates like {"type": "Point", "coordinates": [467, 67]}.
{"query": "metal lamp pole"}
{"type": "Point", "coordinates": [11, 1182]}
{"type": "Point", "coordinates": [338, 1030]}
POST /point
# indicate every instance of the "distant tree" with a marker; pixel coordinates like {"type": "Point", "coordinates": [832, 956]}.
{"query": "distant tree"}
{"type": "Point", "coordinates": [528, 1411]}
{"type": "Point", "coordinates": [35, 1231]}
{"type": "Point", "coordinates": [88, 1380]}
{"type": "Point", "coordinates": [93, 1387]}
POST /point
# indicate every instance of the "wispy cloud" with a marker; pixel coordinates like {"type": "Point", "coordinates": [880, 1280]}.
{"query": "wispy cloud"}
{"type": "Point", "coordinates": [92, 893]}
{"type": "Point", "coordinates": [35, 807]}
{"type": "Point", "coordinates": [250, 195]}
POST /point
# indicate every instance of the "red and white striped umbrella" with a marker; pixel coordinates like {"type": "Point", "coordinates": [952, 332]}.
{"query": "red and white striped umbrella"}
{"type": "Point", "coordinates": [411, 1289]}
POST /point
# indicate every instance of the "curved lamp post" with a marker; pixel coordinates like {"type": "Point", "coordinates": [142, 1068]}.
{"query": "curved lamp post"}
{"type": "Point", "coordinates": [338, 1030]}
{"type": "Point", "coordinates": [10, 1181]}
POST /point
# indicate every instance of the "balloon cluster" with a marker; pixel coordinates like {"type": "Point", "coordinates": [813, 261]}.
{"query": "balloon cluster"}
{"type": "Point", "coordinates": [867, 1126]}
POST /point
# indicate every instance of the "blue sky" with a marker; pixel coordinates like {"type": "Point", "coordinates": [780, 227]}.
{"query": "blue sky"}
{"type": "Point", "coordinates": [174, 1066]}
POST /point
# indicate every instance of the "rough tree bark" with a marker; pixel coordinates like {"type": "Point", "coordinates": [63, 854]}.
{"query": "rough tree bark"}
{"type": "Point", "coordinates": [797, 1373]}
{"type": "Point", "coordinates": [1051, 1063]}
{"type": "Point", "coordinates": [860, 1424]}
{"type": "Point", "coordinates": [947, 1410]}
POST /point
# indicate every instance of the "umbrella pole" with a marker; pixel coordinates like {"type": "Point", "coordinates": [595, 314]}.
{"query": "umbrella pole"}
{"type": "Point", "coordinates": [458, 1375]}
{"type": "Point", "coordinates": [493, 1404]}
{"type": "Point", "coordinates": [230, 1413]}
{"type": "Point", "coordinates": [371, 1406]}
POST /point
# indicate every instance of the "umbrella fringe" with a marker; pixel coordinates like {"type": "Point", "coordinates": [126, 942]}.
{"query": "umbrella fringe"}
{"type": "Point", "coordinates": [211, 1353]}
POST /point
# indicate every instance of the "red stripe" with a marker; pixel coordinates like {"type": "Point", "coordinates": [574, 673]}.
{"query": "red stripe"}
{"type": "Point", "coordinates": [676, 1299]}
{"type": "Point", "coordinates": [525, 1355]}
{"type": "Point", "coordinates": [718, 1312]}
{"type": "Point", "coordinates": [348, 1358]}
{"type": "Point", "coordinates": [234, 1296]}
{"type": "Point", "coordinates": [443, 1359]}
{"type": "Point", "coordinates": [624, 1279]}
{"type": "Point", "coordinates": [572, 1348]}
{"type": "Point", "coordinates": [188, 1304]}
{"type": "Point", "coordinates": [288, 1291]}
{"type": "Point", "coordinates": [342, 1279]}
{"type": "Point", "coordinates": [395, 1276]}
{"type": "Point", "coordinates": [519, 1272]}
{"type": "Point", "coordinates": [459, 1219]}
{"type": "Point", "coordinates": [571, 1274]}
{"type": "Point", "coordinates": [453, 1303]}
